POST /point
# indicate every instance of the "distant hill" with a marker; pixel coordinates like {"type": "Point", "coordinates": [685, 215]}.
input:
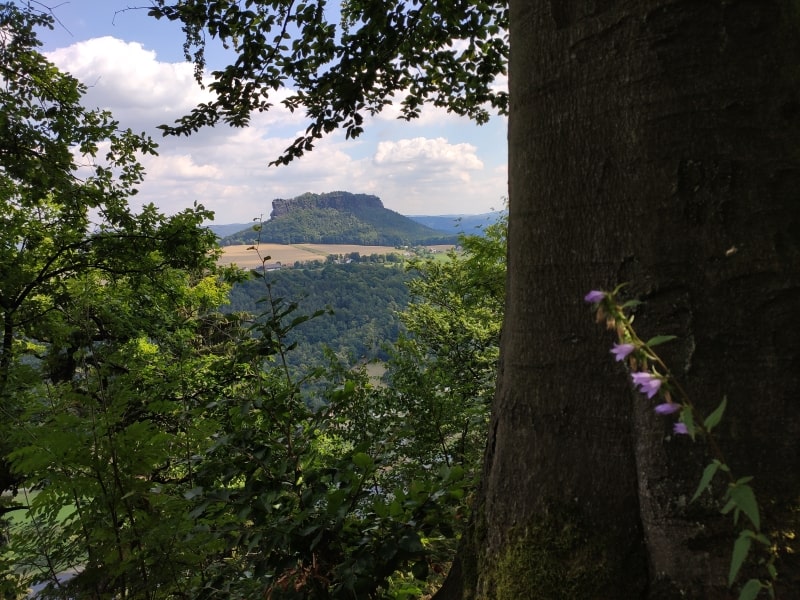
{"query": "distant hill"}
{"type": "Point", "coordinates": [224, 230]}
{"type": "Point", "coordinates": [455, 224]}
{"type": "Point", "coordinates": [338, 218]}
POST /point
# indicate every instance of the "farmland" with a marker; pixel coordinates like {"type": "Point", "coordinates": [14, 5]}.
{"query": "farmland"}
{"type": "Point", "coordinates": [289, 254]}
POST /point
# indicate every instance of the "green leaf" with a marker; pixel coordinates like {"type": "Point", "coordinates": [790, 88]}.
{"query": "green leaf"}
{"type": "Point", "coordinates": [745, 500]}
{"type": "Point", "coordinates": [659, 339]}
{"type": "Point", "coordinates": [619, 288]}
{"type": "Point", "coordinates": [705, 480]}
{"type": "Point", "coordinates": [335, 500]}
{"type": "Point", "coordinates": [730, 505]}
{"type": "Point", "coordinates": [410, 543]}
{"type": "Point", "coordinates": [631, 304]}
{"type": "Point", "coordinates": [381, 509]}
{"type": "Point", "coordinates": [715, 417]}
{"type": "Point", "coordinates": [763, 539]}
{"type": "Point", "coordinates": [773, 572]}
{"type": "Point", "coordinates": [362, 460]}
{"type": "Point", "coordinates": [750, 590]}
{"type": "Point", "coordinates": [451, 474]}
{"type": "Point", "coordinates": [741, 547]}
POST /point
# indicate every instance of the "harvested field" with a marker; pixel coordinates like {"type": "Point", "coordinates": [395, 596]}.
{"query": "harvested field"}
{"type": "Point", "coordinates": [289, 254]}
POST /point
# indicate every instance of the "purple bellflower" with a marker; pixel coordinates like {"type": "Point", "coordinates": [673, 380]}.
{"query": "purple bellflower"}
{"type": "Point", "coordinates": [667, 408]}
{"type": "Point", "coordinates": [646, 382]}
{"type": "Point", "coordinates": [621, 351]}
{"type": "Point", "coordinates": [680, 429]}
{"type": "Point", "coordinates": [594, 296]}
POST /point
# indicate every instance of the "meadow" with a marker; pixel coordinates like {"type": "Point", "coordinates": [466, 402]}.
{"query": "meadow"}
{"type": "Point", "coordinates": [246, 257]}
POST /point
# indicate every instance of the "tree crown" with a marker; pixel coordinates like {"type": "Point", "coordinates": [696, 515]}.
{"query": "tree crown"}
{"type": "Point", "coordinates": [342, 65]}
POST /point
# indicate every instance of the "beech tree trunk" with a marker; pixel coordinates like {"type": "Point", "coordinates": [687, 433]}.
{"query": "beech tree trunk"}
{"type": "Point", "coordinates": [658, 143]}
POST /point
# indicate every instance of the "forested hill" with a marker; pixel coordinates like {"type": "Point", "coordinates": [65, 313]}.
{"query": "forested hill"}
{"type": "Point", "coordinates": [338, 218]}
{"type": "Point", "coordinates": [365, 299]}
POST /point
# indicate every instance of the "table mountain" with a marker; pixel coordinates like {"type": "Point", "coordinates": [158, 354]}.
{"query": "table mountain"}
{"type": "Point", "coordinates": [338, 218]}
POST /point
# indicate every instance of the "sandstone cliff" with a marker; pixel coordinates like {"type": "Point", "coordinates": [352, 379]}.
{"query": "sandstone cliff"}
{"type": "Point", "coordinates": [337, 200]}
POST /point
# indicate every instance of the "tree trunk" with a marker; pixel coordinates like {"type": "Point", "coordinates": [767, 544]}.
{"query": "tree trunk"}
{"type": "Point", "coordinates": [656, 143]}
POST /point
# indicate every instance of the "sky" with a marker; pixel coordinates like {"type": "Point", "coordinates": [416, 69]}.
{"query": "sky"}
{"type": "Point", "coordinates": [133, 65]}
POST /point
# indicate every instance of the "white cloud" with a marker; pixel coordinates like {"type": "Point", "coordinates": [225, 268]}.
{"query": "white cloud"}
{"type": "Point", "coordinates": [126, 77]}
{"type": "Point", "coordinates": [425, 154]}
{"type": "Point", "coordinates": [182, 167]}
{"type": "Point", "coordinates": [142, 91]}
{"type": "Point", "coordinates": [416, 174]}
{"type": "Point", "coordinates": [413, 167]}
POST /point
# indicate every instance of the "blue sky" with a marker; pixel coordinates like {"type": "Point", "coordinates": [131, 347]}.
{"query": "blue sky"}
{"type": "Point", "coordinates": [133, 65]}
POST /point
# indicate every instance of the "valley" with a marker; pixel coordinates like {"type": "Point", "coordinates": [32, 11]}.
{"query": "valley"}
{"type": "Point", "coordinates": [244, 256]}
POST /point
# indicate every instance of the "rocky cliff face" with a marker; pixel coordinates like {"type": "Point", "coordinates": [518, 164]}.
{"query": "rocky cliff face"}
{"type": "Point", "coordinates": [337, 200]}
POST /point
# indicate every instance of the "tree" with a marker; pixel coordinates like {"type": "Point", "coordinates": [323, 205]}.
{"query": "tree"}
{"type": "Point", "coordinates": [61, 217]}
{"type": "Point", "coordinates": [97, 302]}
{"type": "Point", "coordinates": [650, 141]}
{"type": "Point", "coordinates": [158, 447]}
{"type": "Point", "coordinates": [332, 64]}
{"type": "Point", "coordinates": [441, 375]}
{"type": "Point", "coordinates": [109, 453]}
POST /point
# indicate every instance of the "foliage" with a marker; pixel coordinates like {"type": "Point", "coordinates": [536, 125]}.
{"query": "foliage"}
{"type": "Point", "coordinates": [102, 308]}
{"type": "Point", "coordinates": [292, 514]}
{"type": "Point", "coordinates": [65, 175]}
{"type": "Point", "coordinates": [430, 415]}
{"type": "Point", "coordinates": [442, 374]}
{"type": "Point", "coordinates": [111, 449]}
{"type": "Point", "coordinates": [363, 498]}
{"type": "Point", "coordinates": [363, 298]}
{"type": "Point", "coordinates": [184, 461]}
{"type": "Point", "coordinates": [340, 67]}
{"type": "Point", "coordinates": [651, 376]}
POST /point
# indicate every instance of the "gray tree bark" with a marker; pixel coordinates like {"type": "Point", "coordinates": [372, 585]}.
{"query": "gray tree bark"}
{"type": "Point", "coordinates": [658, 143]}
